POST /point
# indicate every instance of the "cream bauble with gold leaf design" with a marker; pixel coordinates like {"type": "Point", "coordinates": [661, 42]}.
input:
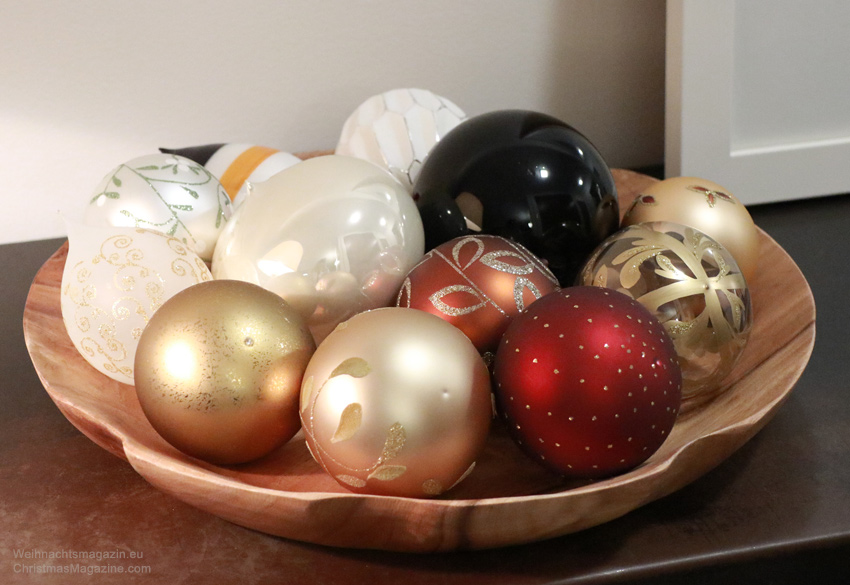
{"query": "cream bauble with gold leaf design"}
{"type": "Point", "coordinates": [396, 401]}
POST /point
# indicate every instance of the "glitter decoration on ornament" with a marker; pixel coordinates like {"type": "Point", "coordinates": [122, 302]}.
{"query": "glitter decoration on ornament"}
{"type": "Point", "coordinates": [396, 402]}
{"type": "Point", "coordinates": [478, 284]}
{"type": "Point", "coordinates": [166, 193]}
{"type": "Point", "coordinates": [113, 282]}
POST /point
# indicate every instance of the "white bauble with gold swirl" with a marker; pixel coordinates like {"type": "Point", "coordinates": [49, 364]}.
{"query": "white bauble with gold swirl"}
{"type": "Point", "coordinates": [114, 279]}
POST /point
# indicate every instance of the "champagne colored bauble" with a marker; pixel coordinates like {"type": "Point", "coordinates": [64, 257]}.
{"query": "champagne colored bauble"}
{"type": "Point", "coordinates": [588, 382]}
{"type": "Point", "coordinates": [114, 279]}
{"type": "Point", "coordinates": [703, 205]}
{"type": "Point", "coordinates": [522, 175]}
{"type": "Point", "coordinates": [333, 235]}
{"type": "Point", "coordinates": [478, 284]}
{"type": "Point", "coordinates": [219, 368]}
{"type": "Point", "coordinates": [692, 285]}
{"type": "Point", "coordinates": [396, 402]}
{"type": "Point", "coordinates": [237, 166]}
{"type": "Point", "coordinates": [166, 193]}
{"type": "Point", "coordinates": [397, 129]}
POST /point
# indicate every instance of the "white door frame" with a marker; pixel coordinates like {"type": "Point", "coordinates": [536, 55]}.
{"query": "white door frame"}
{"type": "Point", "coordinates": [699, 117]}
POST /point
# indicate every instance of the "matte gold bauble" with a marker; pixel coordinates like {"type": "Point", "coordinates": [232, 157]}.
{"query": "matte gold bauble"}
{"type": "Point", "coordinates": [396, 402]}
{"type": "Point", "coordinates": [692, 285]}
{"type": "Point", "coordinates": [703, 205]}
{"type": "Point", "coordinates": [218, 371]}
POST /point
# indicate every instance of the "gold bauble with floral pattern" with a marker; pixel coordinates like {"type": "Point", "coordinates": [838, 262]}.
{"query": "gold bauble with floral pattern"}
{"type": "Point", "coordinates": [692, 285]}
{"type": "Point", "coordinates": [396, 401]}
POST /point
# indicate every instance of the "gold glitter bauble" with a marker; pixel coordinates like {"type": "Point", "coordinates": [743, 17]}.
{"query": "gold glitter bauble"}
{"type": "Point", "coordinates": [396, 402]}
{"type": "Point", "coordinates": [218, 371]}
{"type": "Point", "coordinates": [703, 205]}
{"type": "Point", "coordinates": [692, 285]}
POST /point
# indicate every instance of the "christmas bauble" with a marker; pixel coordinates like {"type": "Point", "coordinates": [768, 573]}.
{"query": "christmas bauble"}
{"type": "Point", "coordinates": [587, 382]}
{"type": "Point", "coordinates": [522, 175]}
{"type": "Point", "coordinates": [397, 129]}
{"type": "Point", "coordinates": [478, 284]}
{"type": "Point", "coordinates": [114, 279]}
{"type": "Point", "coordinates": [333, 235]}
{"type": "Point", "coordinates": [396, 402]}
{"type": "Point", "coordinates": [238, 165]}
{"type": "Point", "coordinates": [692, 285]}
{"type": "Point", "coordinates": [703, 205]}
{"type": "Point", "coordinates": [218, 371]}
{"type": "Point", "coordinates": [166, 193]}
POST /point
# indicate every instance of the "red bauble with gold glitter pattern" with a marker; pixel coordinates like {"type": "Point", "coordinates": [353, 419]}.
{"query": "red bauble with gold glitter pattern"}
{"type": "Point", "coordinates": [588, 382]}
{"type": "Point", "coordinates": [478, 284]}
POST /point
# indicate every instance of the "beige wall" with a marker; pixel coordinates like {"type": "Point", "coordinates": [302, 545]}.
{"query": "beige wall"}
{"type": "Point", "coordinates": [86, 85]}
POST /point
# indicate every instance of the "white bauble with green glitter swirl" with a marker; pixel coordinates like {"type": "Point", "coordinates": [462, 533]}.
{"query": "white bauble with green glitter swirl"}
{"type": "Point", "coordinates": [166, 193]}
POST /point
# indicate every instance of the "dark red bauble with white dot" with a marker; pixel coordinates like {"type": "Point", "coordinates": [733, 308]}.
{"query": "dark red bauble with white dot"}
{"type": "Point", "coordinates": [588, 382]}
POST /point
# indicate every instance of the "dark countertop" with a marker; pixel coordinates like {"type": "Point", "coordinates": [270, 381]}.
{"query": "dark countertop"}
{"type": "Point", "coordinates": [775, 512]}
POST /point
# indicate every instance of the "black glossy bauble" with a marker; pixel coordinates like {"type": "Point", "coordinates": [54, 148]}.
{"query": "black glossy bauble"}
{"type": "Point", "coordinates": [521, 175]}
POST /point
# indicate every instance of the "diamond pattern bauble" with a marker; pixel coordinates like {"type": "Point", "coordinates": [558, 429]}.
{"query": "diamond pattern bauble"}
{"type": "Point", "coordinates": [397, 129]}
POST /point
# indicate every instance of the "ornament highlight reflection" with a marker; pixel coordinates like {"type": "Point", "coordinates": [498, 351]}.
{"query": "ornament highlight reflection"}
{"type": "Point", "coordinates": [332, 235]}
{"type": "Point", "coordinates": [218, 371]}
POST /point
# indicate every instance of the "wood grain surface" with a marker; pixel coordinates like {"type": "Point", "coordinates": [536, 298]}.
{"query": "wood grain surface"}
{"type": "Point", "coordinates": [509, 499]}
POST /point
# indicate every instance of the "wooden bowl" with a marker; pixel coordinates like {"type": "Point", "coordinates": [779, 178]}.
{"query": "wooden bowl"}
{"type": "Point", "coordinates": [508, 500]}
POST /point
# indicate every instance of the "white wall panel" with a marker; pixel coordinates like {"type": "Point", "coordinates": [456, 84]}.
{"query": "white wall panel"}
{"type": "Point", "coordinates": [757, 94]}
{"type": "Point", "coordinates": [86, 85]}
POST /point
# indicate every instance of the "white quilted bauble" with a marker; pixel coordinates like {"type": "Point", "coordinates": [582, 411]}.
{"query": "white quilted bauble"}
{"type": "Point", "coordinates": [397, 129]}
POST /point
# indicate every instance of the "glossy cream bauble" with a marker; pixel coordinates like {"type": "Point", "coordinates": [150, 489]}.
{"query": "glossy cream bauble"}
{"type": "Point", "coordinates": [333, 235]}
